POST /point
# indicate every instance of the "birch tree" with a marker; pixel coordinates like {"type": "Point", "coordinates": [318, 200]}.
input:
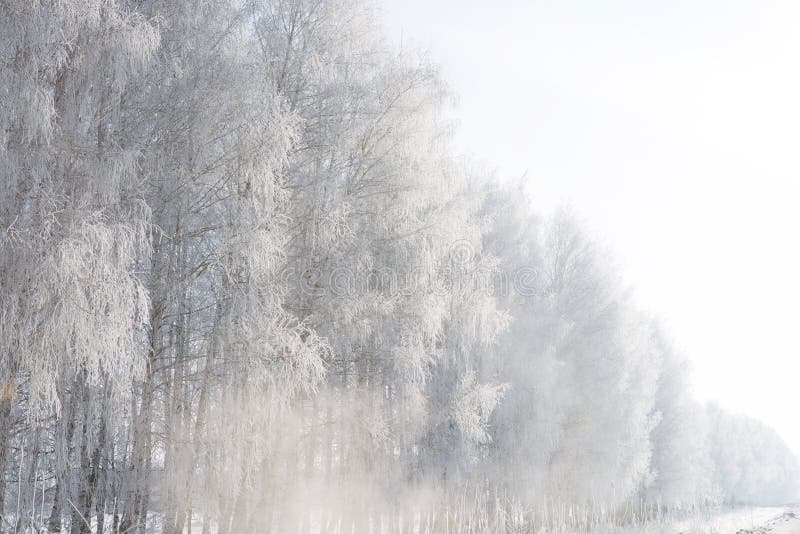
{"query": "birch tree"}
{"type": "Point", "coordinates": [73, 221]}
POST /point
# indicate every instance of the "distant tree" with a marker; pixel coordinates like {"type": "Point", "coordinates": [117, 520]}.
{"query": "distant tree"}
{"type": "Point", "coordinates": [682, 469]}
{"type": "Point", "coordinates": [751, 463]}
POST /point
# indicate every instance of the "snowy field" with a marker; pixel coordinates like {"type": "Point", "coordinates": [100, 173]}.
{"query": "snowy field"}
{"type": "Point", "coordinates": [752, 520]}
{"type": "Point", "coordinates": [778, 520]}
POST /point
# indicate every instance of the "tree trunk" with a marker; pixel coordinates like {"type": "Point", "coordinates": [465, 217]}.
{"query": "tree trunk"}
{"type": "Point", "coordinates": [5, 431]}
{"type": "Point", "coordinates": [81, 510]}
{"type": "Point", "coordinates": [62, 484]}
{"type": "Point", "coordinates": [97, 478]}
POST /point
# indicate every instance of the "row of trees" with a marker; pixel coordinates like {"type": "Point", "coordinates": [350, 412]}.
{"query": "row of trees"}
{"type": "Point", "coordinates": [597, 387]}
{"type": "Point", "coordinates": [241, 270]}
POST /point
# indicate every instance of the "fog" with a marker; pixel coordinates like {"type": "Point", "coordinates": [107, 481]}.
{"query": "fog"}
{"type": "Point", "coordinates": [671, 128]}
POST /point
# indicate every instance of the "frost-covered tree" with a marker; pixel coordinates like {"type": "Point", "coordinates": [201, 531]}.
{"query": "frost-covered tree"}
{"type": "Point", "coordinates": [219, 137]}
{"type": "Point", "coordinates": [73, 223]}
{"type": "Point", "coordinates": [681, 464]}
{"type": "Point", "coordinates": [377, 205]}
{"type": "Point", "coordinates": [751, 463]}
{"type": "Point", "coordinates": [580, 364]}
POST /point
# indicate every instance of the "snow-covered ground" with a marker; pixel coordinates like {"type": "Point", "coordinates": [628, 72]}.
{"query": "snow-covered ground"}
{"type": "Point", "coordinates": [787, 522]}
{"type": "Point", "coordinates": [744, 521]}
{"type": "Point", "coordinates": [764, 520]}
{"type": "Point", "coordinates": [753, 520]}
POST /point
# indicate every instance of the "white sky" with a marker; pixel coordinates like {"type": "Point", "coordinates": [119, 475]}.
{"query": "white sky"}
{"type": "Point", "coordinates": [673, 128]}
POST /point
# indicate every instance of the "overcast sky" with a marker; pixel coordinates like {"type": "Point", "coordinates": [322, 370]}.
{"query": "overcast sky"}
{"type": "Point", "coordinates": [673, 129]}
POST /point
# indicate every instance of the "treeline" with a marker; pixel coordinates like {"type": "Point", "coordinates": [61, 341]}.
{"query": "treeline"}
{"type": "Point", "coordinates": [600, 394]}
{"type": "Point", "coordinates": [243, 275]}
